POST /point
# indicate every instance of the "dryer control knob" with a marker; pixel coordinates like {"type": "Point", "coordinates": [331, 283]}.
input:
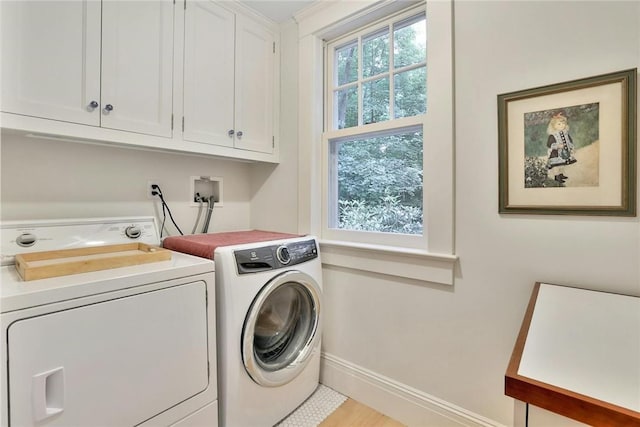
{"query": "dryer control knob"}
{"type": "Point", "coordinates": [133, 232]}
{"type": "Point", "coordinates": [283, 255]}
{"type": "Point", "coordinates": [26, 239]}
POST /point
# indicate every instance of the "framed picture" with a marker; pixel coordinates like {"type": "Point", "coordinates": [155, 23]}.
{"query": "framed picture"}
{"type": "Point", "coordinates": [569, 148]}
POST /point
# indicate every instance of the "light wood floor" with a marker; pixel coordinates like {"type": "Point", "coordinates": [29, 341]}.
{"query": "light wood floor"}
{"type": "Point", "coordinates": [352, 413]}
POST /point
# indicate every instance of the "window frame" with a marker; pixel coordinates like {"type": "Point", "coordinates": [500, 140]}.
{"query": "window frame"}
{"type": "Point", "coordinates": [436, 262]}
{"type": "Point", "coordinates": [390, 126]}
{"type": "Point", "coordinates": [413, 241]}
{"type": "Point", "coordinates": [402, 19]}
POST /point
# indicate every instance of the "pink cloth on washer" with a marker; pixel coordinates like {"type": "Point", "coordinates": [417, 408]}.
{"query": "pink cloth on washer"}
{"type": "Point", "coordinates": [204, 245]}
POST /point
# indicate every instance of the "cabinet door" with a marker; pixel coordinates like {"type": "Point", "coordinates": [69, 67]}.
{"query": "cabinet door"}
{"type": "Point", "coordinates": [51, 59]}
{"type": "Point", "coordinates": [137, 59]}
{"type": "Point", "coordinates": [254, 86]}
{"type": "Point", "coordinates": [208, 73]}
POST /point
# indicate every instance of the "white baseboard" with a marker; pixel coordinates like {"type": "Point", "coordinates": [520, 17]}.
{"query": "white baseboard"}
{"type": "Point", "coordinates": [403, 403]}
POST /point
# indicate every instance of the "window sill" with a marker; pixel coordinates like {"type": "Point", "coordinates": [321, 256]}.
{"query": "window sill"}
{"type": "Point", "coordinates": [401, 262]}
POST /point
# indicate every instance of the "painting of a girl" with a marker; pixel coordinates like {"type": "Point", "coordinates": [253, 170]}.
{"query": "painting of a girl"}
{"type": "Point", "coordinates": [555, 157]}
{"type": "Point", "coordinates": [560, 148]}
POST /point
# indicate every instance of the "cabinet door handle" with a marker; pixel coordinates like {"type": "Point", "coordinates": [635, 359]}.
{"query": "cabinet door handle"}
{"type": "Point", "coordinates": [239, 134]}
{"type": "Point", "coordinates": [231, 132]}
{"type": "Point", "coordinates": [92, 105]}
{"type": "Point", "coordinates": [108, 108]}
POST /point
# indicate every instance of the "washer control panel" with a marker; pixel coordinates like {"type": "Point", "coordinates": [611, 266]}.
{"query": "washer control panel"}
{"type": "Point", "coordinates": [272, 257]}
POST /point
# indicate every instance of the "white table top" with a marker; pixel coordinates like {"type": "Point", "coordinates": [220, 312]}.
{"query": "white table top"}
{"type": "Point", "coordinates": [587, 342]}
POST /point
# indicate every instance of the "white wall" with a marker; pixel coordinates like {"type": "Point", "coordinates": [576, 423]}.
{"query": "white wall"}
{"type": "Point", "coordinates": [274, 203]}
{"type": "Point", "coordinates": [45, 179]}
{"type": "Point", "coordinates": [454, 343]}
{"type": "Point", "coordinates": [531, 44]}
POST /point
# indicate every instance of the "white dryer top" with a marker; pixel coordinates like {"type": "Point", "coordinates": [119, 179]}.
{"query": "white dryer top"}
{"type": "Point", "coordinates": [27, 236]}
{"type": "Point", "coordinates": [45, 235]}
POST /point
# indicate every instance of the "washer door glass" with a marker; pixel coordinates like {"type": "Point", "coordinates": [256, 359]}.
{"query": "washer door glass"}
{"type": "Point", "coordinates": [281, 329]}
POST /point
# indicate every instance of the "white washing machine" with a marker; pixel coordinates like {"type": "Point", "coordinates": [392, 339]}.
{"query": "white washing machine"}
{"type": "Point", "coordinates": [124, 346]}
{"type": "Point", "coordinates": [269, 326]}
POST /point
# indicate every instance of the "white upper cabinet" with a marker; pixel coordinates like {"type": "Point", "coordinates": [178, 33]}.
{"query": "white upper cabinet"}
{"type": "Point", "coordinates": [209, 73]}
{"type": "Point", "coordinates": [228, 79]}
{"type": "Point", "coordinates": [53, 51]}
{"type": "Point", "coordinates": [51, 59]}
{"type": "Point", "coordinates": [137, 66]}
{"type": "Point", "coordinates": [255, 52]}
{"type": "Point", "coordinates": [188, 76]}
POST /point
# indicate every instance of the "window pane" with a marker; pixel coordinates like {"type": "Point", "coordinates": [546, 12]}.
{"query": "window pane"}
{"type": "Point", "coordinates": [410, 93]}
{"type": "Point", "coordinates": [375, 54]}
{"type": "Point", "coordinates": [380, 183]}
{"type": "Point", "coordinates": [409, 42]}
{"type": "Point", "coordinates": [347, 63]}
{"type": "Point", "coordinates": [346, 107]}
{"type": "Point", "coordinates": [375, 101]}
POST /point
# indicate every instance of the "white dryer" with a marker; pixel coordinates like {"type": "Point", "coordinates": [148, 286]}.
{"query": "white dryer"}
{"type": "Point", "coordinates": [269, 326]}
{"type": "Point", "coordinates": [125, 346]}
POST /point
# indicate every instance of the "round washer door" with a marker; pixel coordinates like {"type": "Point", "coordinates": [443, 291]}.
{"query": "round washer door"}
{"type": "Point", "coordinates": [281, 328]}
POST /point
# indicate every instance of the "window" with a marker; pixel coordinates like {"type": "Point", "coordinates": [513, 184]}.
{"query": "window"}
{"type": "Point", "coordinates": [376, 103]}
{"type": "Point", "coordinates": [377, 182]}
{"type": "Point", "coordinates": [372, 83]}
{"type": "Point", "coordinates": [427, 256]}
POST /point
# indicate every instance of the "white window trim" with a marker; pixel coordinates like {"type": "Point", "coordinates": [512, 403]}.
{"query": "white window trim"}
{"type": "Point", "coordinates": [328, 20]}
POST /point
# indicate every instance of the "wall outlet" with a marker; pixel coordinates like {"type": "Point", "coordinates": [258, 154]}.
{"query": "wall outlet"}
{"type": "Point", "coordinates": [150, 189]}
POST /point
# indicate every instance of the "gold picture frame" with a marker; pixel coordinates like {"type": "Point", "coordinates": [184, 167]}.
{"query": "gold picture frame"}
{"type": "Point", "coordinates": [569, 148]}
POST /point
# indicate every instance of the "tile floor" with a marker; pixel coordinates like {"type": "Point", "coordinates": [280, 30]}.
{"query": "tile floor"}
{"type": "Point", "coordinates": [315, 409]}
